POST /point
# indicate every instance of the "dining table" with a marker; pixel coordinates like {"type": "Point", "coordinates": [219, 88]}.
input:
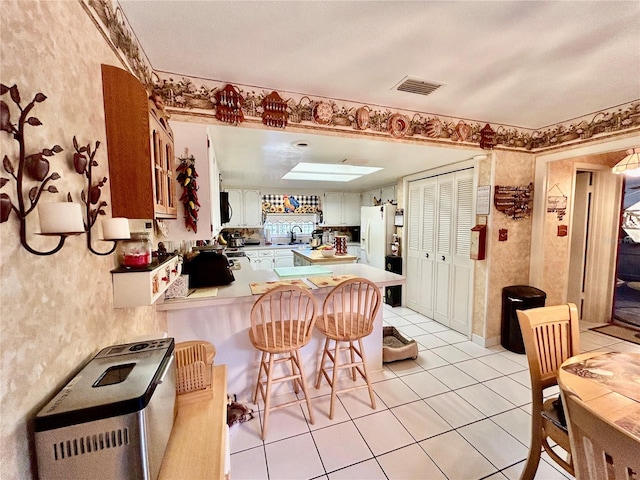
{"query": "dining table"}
{"type": "Point", "coordinates": [609, 384]}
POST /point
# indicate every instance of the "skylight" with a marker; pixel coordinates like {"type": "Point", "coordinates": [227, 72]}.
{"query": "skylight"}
{"type": "Point", "coordinates": [323, 172]}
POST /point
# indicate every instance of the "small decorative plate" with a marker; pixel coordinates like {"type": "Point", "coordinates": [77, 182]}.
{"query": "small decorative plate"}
{"type": "Point", "coordinates": [323, 113]}
{"type": "Point", "coordinates": [362, 118]}
{"type": "Point", "coordinates": [398, 125]}
{"type": "Point", "coordinates": [463, 130]}
{"type": "Point", "coordinates": [433, 128]}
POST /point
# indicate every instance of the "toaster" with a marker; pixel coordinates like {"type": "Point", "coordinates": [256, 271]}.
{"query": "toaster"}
{"type": "Point", "coordinates": [114, 418]}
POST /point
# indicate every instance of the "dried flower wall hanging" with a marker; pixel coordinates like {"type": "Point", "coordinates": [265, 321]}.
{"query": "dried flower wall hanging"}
{"type": "Point", "coordinates": [187, 178]}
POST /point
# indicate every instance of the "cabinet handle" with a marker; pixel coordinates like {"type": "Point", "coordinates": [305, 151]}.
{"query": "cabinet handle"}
{"type": "Point", "coordinates": [426, 254]}
{"type": "Point", "coordinates": [443, 258]}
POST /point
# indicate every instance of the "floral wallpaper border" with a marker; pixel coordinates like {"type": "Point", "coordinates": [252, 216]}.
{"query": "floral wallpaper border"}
{"type": "Point", "coordinates": [182, 95]}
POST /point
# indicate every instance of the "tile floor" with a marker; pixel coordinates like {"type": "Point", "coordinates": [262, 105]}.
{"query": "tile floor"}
{"type": "Point", "coordinates": [459, 411]}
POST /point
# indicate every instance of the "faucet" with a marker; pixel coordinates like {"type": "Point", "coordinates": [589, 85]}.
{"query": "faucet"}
{"type": "Point", "coordinates": [293, 234]}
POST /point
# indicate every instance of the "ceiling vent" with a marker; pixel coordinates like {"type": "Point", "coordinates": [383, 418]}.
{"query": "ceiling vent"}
{"type": "Point", "coordinates": [353, 161]}
{"type": "Point", "coordinates": [417, 86]}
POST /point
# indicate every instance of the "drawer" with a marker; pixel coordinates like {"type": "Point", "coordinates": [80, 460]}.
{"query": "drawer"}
{"type": "Point", "coordinates": [266, 253]}
{"type": "Point", "coordinates": [285, 252]}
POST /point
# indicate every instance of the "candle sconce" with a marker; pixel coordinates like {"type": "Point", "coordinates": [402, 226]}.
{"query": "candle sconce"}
{"type": "Point", "coordinates": [83, 163]}
{"type": "Point", "coordinates": [35, 166]}
{"type": "Point", "coordinates": [60, 219]}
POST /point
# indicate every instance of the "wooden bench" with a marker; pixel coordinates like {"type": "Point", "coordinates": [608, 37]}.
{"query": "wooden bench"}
{"type": "Point", "coordinates": [198, 442]}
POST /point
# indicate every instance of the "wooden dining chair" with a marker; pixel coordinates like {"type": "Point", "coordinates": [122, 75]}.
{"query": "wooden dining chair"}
{"type": "Point", "coordinates": [282, 321]}
{"type": "Point", "coordinates": [550, 337]}
{"type": "Point", "coordinates": [601, 450]}
{"type": "Point", "coordinates": [347, 317]}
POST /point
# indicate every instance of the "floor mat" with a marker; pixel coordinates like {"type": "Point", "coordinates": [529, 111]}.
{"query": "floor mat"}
{"type": "Point", "coordinates": [618, 331]}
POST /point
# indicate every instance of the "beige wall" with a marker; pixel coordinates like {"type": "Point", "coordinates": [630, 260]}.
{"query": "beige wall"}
{"type": "Point", "coordinates": [56, 311]}
{"type": "Point", "coordinates": [508, 262]}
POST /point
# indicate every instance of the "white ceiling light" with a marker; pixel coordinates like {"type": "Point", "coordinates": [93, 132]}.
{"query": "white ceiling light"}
{"type": "Point", "coordinates": [630, 164]}
{"type": "Point", "coordinates": [324, 172]}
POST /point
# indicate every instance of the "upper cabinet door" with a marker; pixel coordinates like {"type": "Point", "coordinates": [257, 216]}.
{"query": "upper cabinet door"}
{"type": "Point", "coordinates": [332, 208]}
{"type": "Point", "coordinates": [351, 209]}
{"type": "Point", "coordinates": [140, 147]}
{"type": "Point", "coordinates": [252, 208]}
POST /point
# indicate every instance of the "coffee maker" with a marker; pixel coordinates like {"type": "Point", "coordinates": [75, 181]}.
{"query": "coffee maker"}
{"type": "Point", "coordinates": [316, 239]}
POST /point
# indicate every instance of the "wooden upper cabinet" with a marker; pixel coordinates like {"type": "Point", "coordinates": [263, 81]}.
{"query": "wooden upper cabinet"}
{"type": "Point", "coordinates": [140, 146]}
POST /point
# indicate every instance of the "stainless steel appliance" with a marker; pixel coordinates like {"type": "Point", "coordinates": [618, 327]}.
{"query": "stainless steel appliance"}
{"type": "Point", "coordinates": [316, 238]}
{"type": "Point", "coordinates": [226, 212]}
{"type": "Point", "coordinates": [114, 418]}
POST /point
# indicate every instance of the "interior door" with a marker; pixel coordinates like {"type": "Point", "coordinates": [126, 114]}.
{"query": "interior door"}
{"type": "Point", "coordinates": [444, 222]}
{"type": "Point", "coordinates": [462, 265]}
{"type": "Point", "coordinates": [421, 246]}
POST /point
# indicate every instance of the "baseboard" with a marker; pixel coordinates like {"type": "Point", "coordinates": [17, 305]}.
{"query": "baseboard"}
{"type": "Point", "coordinates": [485, 342]}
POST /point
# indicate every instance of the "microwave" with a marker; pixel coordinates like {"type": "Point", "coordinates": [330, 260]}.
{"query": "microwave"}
{"type": "Point", "coordinates": [226, 212]}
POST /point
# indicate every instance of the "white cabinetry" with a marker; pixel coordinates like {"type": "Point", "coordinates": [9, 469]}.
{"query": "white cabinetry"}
{"type": "Point", "coordinates": [383, 194]}
{"type": "Point", "coordinates": [341, 209]}
{"type": "Point", "coordinates": [283, 258]}
{"type": "Point", "coordinates": [262, 259]}
{"type": "Point", "coordinates": [354, 250]}
{"type": "Point", "coordinates": [135, 289]}
{"type": "Point", "coordinates": [439, 270]}
{"type": "Point", "coordinates": [246, 207]}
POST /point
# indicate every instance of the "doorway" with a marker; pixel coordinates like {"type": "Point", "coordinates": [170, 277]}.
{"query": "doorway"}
{"type": "Point", "coordinates": [593, 243]}
{"type": "Point", "coordinates": [626, 301]}
{"type": "Point", "coordinates": [582, 198]}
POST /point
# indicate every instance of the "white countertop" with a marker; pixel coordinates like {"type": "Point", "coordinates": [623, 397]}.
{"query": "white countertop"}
{"type": "Point", "coordinates": [239, 290]}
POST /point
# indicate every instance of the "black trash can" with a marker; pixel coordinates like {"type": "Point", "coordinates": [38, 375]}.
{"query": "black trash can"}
{"type": "Point", "coordinates": [517, 297]}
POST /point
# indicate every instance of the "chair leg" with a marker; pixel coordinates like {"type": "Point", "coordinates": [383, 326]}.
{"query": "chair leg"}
{"type": "Point", "coordinates": [535, 449]}
{"type": "Point", "coordinates": [303, 382]}
{"type": "Point", "coordinates": [366, 375]}
{"type": "Point", "coordinates": [267, 397]}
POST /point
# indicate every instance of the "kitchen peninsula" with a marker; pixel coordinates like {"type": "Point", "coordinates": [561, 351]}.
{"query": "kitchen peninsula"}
{"type": "Point", "coordinates": [224, 321]}
{"type": "Point", "coordinates": [315, 257]}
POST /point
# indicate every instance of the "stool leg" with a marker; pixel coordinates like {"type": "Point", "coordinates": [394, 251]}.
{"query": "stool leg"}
{"type": "Point", "coordinates": [366, 375]}
{"type": "Point", "coordinates": [303, 382]}
{"type": "Point", "coordinates": [353, 360]}
{"type": "Point", "coordinates": [321, 366]}
{"type": "Point", "coordinates": [334, 379]}
{"type": "Point", "coordinates": [294, 371]}
{"type": "Point", "coordinates": [262, 365]}
{"type": "Point", "coordinates": [267, 397]}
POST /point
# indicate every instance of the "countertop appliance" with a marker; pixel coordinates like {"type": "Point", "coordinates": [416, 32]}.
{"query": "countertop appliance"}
{"type": "Point", "coordinates": [376, 233]}
{"type": "Point", "coordinates": [316, 238]}
{"type": "Point", "coordinates": [114, 418]}
{"type": "Point", "coordinates": [210, 268]}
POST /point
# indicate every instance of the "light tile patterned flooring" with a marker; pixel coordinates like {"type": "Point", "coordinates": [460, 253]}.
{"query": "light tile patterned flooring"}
{"type": "Point", "coordinates": [459, 411]}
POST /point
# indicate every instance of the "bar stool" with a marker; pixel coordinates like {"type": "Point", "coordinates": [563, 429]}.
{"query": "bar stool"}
{"type": "Point", "coordinates": [282, 321]}
{"type": "Point", "coordinates": [347, 317]}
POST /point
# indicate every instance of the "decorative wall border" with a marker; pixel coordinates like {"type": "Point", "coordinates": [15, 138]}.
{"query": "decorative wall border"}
{"type": "Point", "coordinates": [201, 97]}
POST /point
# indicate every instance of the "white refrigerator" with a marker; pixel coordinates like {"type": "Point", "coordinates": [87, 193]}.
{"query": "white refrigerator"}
{"type": "Point", "coordinates": [376, 233]}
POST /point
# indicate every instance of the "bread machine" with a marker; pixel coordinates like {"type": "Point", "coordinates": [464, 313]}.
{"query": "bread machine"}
{"type": "Point", "coordinates": [114, 418]}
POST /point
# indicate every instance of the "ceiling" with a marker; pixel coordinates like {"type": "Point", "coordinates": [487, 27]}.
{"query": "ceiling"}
{"type": "Point", "coordinates": [525, 64]}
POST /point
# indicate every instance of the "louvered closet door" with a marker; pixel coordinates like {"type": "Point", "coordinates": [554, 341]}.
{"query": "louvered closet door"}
{"type": "Point", "coordinates": [462, 266]}
{"type": "Point", "coordinates": [412, 270]}
{"type": "Point", "coordinates": [439, 271]}
{"type": "Point", "coordinates": [444, 221]}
